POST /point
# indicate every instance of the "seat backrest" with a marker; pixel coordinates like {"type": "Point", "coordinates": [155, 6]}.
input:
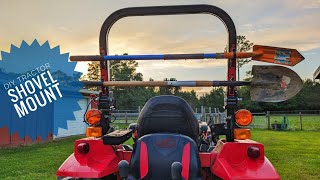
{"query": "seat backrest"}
{"type": "Point", "coordinates": [168, 114]}
{"type": "Point", "coordinates": [154, 154]}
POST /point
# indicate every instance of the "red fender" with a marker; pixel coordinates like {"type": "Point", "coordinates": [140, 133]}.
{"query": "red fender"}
{"type": "Point", "coordinates": [100, 161]}
{"type": "Point", "coordinates": [228, 161]}
{"type": "Point", "coordinates": [232, 162]}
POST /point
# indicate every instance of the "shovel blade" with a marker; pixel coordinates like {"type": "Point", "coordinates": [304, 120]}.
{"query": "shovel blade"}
{"type": "Point", "coordinates": [274, 83]}
{"type": "Point", "coordinates": [277, 55]}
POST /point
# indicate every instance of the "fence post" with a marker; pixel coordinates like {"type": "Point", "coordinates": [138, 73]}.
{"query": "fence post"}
{"type": "Point", "coordinates": [203, 113]}
{"type": "Point", "coordinates": [139, 109]}
{"type": "Point", "coordinates": [268, 119]}
{"type": "Point", "coordinates": [300, 117]}
{"type": "Point", "coordinates": [126, 117]}
{"type": "Point", "coordinates": [210, 114]}
{"type": "Point", "coordinates": [215, 116]}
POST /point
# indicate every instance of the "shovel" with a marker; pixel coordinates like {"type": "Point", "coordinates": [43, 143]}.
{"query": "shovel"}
{"type": "Point", "coordinates": [274, 83]}
{"type": "Point", "coordinates": [269, 83]}
{"type": "Point", "coordinates": [269, 54]}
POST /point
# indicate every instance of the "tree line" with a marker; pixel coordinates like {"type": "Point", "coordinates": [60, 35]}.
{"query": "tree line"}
{"type": "Point", "coordinates": [131, 98]}
{"type": "Point", "coordinates": [307, 99]}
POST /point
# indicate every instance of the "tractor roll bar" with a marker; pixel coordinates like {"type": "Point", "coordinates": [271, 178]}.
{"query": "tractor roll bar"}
{"type": "Point", "coordinates": [173, 10]}
{"type": "Point", "coordinates": [166, 10]}
{"type": "Point", "coordinates": [169, 10]}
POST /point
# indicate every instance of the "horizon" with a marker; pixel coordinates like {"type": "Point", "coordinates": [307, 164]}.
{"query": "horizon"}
{"type": "Point", "coordinates": [289, 24]}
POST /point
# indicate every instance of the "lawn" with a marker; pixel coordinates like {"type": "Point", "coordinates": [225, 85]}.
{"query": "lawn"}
{"type": "Point", "coordinates": [295, 154]}
{"type": "Point", "coordinates": [39, 161]}
{"type": "Point", "coordinates": [309, 123]}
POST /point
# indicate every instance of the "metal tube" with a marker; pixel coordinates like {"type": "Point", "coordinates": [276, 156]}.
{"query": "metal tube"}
{"type": "Point", "coordinates": [166, 83]}
{"type": "Point", "coordinates": [162, 56]}
{"type": "Point", "coordinates": [148, 57]}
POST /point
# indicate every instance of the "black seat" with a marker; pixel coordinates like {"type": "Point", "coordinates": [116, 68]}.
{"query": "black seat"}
{"type": "Point", "coordinates": [154, 154]}
{"type": "Point", "coordinates": [169, 114]}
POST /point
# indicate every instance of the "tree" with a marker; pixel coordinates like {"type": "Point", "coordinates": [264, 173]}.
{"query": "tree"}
{"type": "Point", "coordinates": [93, 72]}
{"type": "Point", "coordinates": [152, 90]}
{"type": "Point", "coordinates": [213, 99]}
{"type": "Point", "coordinates": [128, 98]}
{"type": "Point", "coordinates": [243, 45]}
{"type": "Point", "coordinates": [169, 90]}
{"type": "Point", "coordinates": [190, 97]}
{"type": "Point", "coordinates": [307, 99]}
{"type": "Point", "coordinates": [123, 70]}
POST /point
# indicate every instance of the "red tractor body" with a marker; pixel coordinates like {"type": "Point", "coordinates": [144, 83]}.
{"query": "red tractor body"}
{"type": "Point", "coordinates": [169, 142]}
{"type": "Point", "coordinates": [229, 160]}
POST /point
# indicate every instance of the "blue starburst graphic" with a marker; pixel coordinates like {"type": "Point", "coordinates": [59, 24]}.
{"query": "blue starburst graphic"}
{"type": "Point", "coordinates": [50, 96]}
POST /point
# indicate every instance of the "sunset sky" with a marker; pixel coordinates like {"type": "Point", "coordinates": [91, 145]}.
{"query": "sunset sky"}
{"type": "Point", "coordinates": [75, 26]}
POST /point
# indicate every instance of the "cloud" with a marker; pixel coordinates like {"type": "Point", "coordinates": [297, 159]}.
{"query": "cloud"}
{"type": "Point", "coordinates": [307, 4]}
{"type": "Point", "coordinates": [285, 23]}
{"type": "Point", "coordinates": [301, 38]}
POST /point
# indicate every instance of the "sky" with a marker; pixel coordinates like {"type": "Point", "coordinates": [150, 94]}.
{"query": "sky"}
{"type": "Point", "coordinates": [75, 26]}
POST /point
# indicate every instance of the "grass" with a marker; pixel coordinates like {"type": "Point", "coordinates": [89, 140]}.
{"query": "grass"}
{"type": "Point", "coordinates": [38, 161]}
{"type": "Point", "coordinates": [295, 155]}
{"type": "Point", "coordinates": [309, 123]}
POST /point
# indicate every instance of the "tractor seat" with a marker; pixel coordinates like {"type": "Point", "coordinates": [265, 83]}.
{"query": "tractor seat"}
{"type": "Point", "coordinates": [168, 114]}
{"type": "Point", "coordinates": [155, 153]}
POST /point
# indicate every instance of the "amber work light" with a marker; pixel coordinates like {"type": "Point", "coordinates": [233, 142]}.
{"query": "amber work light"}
{"type": "Point", "coordinates": [243, 117]}
{"type": "Point", "coordinates": [93, 116]}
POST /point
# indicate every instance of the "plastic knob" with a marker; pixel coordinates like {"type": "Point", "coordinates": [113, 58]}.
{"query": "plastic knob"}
{"type": "Point", "coordinates": [123, 167]}
{"type": "Point", "coordinates": [176, 169]}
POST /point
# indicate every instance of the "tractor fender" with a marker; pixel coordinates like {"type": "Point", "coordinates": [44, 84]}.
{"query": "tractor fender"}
{"type": "Point", "coordinates": [100, 161]}
{"type": "Point", "coordinates": [233, 162]}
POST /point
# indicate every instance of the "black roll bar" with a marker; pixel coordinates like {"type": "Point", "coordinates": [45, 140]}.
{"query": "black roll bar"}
{"type": "Point", "coordinates": [176, 10]}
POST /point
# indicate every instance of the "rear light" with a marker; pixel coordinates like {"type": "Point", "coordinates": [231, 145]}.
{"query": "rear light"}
{"type": "Point", "coordinates": [243, 117]}
{"type": "Point", "coordinates": [83, 148]}
{"type": "Point", "coordinates": [242, 134]}
{"type": "Point", "coordinates": [134, 127]}
{"type": "Point", "coordinates": [135, 134]}
{"type": "Point", "coordinates": [94, 131]}
{"type": "Point", "coordinates": [253, 152]}
{"type": "Point", "coordinates": [93, 116]}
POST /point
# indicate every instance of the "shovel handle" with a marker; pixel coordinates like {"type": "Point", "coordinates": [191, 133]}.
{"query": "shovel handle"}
{"type": "Point", "coordinates": [167, 56]}
{"type": "Point", "coordinates": [166, 83]}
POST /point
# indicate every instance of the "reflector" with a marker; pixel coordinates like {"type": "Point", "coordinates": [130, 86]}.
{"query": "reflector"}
{"type": "Point", "coordinates": [83, 148]}
{"type": "Point", "coordinates": [94, 131]}
{"type": "Point", "coordinates": [253, 152]}
{"type": "Point", "coordinates": [242, 134]}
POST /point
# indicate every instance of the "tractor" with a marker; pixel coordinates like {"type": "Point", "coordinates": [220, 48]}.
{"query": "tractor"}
{"type": "Point", "coordinates": [169, 142]}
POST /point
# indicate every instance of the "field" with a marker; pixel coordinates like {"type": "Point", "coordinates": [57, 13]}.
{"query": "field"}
{"type": "Point", "coordinates": [295, 155]}
{"type": "Point", "coordinates": [39, 161]}
{"type": "Point", "coordinates": [309, 123]}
